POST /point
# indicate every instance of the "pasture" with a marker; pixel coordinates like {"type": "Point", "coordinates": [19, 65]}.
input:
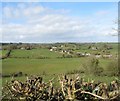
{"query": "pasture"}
{"type": "Point", "coordinates": [41, 61]}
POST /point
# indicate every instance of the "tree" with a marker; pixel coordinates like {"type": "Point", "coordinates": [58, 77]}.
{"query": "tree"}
{"type": "Point", "coordinates": [92, 66]}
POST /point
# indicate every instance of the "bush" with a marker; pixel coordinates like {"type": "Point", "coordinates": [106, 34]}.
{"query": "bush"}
{"type": "Point", "coordinates": [75, 72]}
{"type": "Point", "coordinates": [18, 74]}
{"type": "Point", "coordinates": [92, 66]}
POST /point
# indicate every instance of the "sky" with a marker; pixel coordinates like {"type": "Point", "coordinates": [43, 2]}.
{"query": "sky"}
{"type": "Point", "coordinates": [60, 0]}
{"type": "Point", "coordinates": [47, 22]}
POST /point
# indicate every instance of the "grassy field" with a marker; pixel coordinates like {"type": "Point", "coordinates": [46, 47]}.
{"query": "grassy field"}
{"type": "Point", "coordinates": [37, 66]}
{"type": "Point", "coordinates": [34, 53]}
{"type": "Point", "coordinates": [28, 62]}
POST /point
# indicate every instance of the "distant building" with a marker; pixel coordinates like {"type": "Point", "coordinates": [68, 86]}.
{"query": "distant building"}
{"type": "Point", "coordinates": [87, 54]}
{"type": "Point", "coordinates": [54, 47]}
{"type": "Point", "coordinates": [61, 46]}
{"type": "Point", "coordinates": [68, 53]}
{"type": "Point", "coordinates": [80, 54]}
{"type": "Point", "coordinates": [22, 48]}
{"type": "Point", "coordinates": [107, 56]}
{"type": "Point", "coordinates": [51, 50]}
{"type": "Point", "coordinates": [97, 56]}
{"type": "Point", "coordinates": [94, 48]}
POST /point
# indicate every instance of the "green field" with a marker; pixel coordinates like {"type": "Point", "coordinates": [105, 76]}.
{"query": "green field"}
{"type": "Point", "coordinates": [50, 66]}
{"type": "Point", "coordinates": [34, 53]}
{"type": "Point", "coordinates": [29, 62]}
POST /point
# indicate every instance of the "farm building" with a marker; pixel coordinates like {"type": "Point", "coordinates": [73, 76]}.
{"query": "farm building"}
{"type": "Point", "coordinates": [80, 54]}
{"type": "Point", "coordinates": [87, 54]}
{"type": "Point", "coordinates": [97, 56]}
{"type": "Point", "coordinates": [94, 48]}
{"type": "Point", "coordinates": [22, 48]}
{"type": "Point", "coordinates": [107, 56]}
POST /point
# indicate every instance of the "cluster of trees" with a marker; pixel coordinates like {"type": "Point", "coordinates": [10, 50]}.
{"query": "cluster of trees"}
{"type": "Point", "coordinates": [92, 66]}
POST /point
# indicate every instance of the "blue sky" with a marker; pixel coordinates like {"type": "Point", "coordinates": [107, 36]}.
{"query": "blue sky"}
{"type": "Point", "coordinates": [60, 0]}
{"type": "Point", "coordinates": [59, 22]}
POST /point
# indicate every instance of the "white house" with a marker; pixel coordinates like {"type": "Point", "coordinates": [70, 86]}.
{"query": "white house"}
{"type": "Point", "coordinates": [22, 48]}
{"type": "Point", "coordinates": [94, 48]}
{"type": "Point", "coordinates": [87, 54]}
{"type": "Point", "coordinates": [107, 56]}
{"type": "Point", "coordinates": [97, 56]}
{"type": "Point", "coordinates": [51, 50]}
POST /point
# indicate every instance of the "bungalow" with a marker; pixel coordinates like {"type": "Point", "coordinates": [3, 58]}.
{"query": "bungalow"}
{"type": "Point", "coordinates": [68, 53]}
{"type": "Point", "coordinates": [61, 46]}
{"type": "Point", "coordinates": [94, 48]}
{"type": "Point", "coordinates": [80, 54]}
{"type": "Point", "coordinates": [54, 47]}
{"type": "Point", "coordinates": [51, 50]}
{"type": "Point", "coordinates": [107, 56]}
{"type": "Point", "coordinates": [64, 51]}
{"type": "Point", "coordinates": [22, 48]}
{"type": "Point", "coordinates": [87, 54]}
{"type": "Point", "coordinates": [97, 56]}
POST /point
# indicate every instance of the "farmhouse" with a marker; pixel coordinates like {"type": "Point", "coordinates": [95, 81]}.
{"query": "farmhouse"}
{"type": "Point", "coordinates": [98, 56]}
{"type": "Point", "coordinates": [94, 48]}
{"type": "Point", "coordinates": [51, 50]}
{"type": "Point", "coordinates": [83, 54]}
{"type": "Point", "coordinates": [68, 53]}
{"type": "Point", "coordinates": [22, 48]}
{"type": "Point", "coordinates": [80, 54]}
{"type": "Point", "coordinates": [54, 47]}
{"type": "Point", "coordinates": [64, 51]}
{"type": "Point", "coordinates": [87, 54]}
{"type": "Point", "coordinates": [107, 56]}
{"type": "Point", "coordinates": [61, 46]}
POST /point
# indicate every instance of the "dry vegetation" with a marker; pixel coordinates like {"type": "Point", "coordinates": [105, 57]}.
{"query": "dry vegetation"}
{"type": "Point", "coordinates": [71, 88]}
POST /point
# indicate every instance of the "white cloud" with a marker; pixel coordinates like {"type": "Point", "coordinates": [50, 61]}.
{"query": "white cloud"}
{"type": "Point", "coordinates": [102, 12]}
{"type": "Point", "coordinates": [41, 23]}
{"type": "Point", "coordinates": [7, 12]}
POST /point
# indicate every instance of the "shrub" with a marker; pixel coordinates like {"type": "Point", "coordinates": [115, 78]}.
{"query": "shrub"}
{"type": "Point", "coordinates": [75, 72]}
{"type": "Point", "coordinates": [92, 66]}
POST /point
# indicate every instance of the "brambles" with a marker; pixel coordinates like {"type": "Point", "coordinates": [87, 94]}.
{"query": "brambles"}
{"type": "Point", "coordinates": [71, 88]}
